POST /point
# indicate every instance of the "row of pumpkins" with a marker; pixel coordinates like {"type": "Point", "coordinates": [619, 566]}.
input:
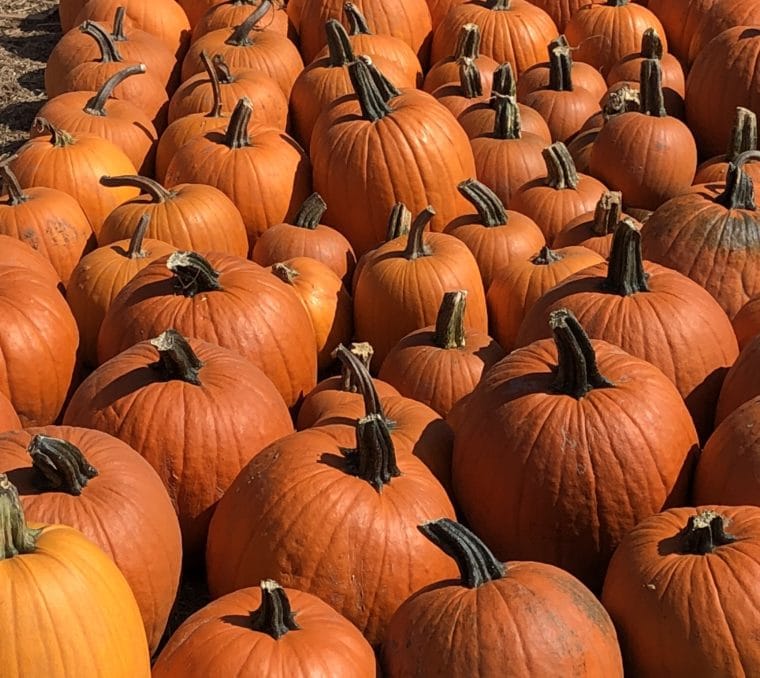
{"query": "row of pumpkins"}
{"type": "Point", "coordinates": [497, 289]}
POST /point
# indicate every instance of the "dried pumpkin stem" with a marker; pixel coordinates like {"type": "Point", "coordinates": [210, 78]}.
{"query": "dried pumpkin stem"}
{"type": "Point", "coordinates": [704, 532]}
{"type": "Point", "coordinates": [58, 137]}
{"type": "Point", "coordinates": [97, 104]}
{"type": "Point", "coordinates": [213, 77]}
{"type": "Point", "coordinates": [374, 458]}
{"type": "Point", "coordinates": [469, 79]}
{"type": "Point", "coordinates": [468, 42]}
{"type": "Point", "coordinates": [146, 185]}
{"type": "Point", "coordinates": [415, 244]}
{"type": "Point", "coordinates": [363, 351]}
{"type": "Point", "coordinates": [10, 182]}
{"type": "Point", "coordinates": [625, 270]}
{"type": "Point", "coordinates": [651, 45]}
{"type": "Point", "coordinates": [356, 372]}
{"type": "Point", "coordinates": [237, 130]}
{"type": "Point", "coordinates": [338, 45]}
{"type": "Point", "coordinates": [241, 35]}
{"type": "Point", "coordinates": [477, 565]}
{"type": "Point", "coordinates": [743, 133]}
{"type": "Point", "coordinates": [545, 257]}
{"type": "Point", "coordinates": [176, 359]}
{"type": "Point", "coordinates": [506, 123]}
{"type": "Point", "coordinates": [374, 106]}
{"type": "Point", "coordinates": [577, 372]}
{"type": "Point", "coordinates": [608, 213]}
{"type": "Point", "coordinates": [560, 168]}
{"type": "Point", "coordinates": [117, 31]}
{"type": "Point", "coordinates": [357, 23]}
{"type": "Point", "coordinates": [449, 324]}
{"type": "Point", "coordinates": [399, 222]}
{"type": "Point", "coordinates": [739, 192]}
{"type": "Point", "coordinates": [504, 81]}
{"type": "Point", "coordinates": [310, 213]}
{"type": "Point", "coordinates": [490, 207]}
{"type": "Point", "coordinates": [499, 5]}
{"type": "Point", "coordinates": [135, 250]}
{"type": "Point", "coordinates": [650, 89]}
{"type": "Point", "coordinates": [560, 68]}
{"type": "Point", "coordinates": [284, 272]}
{"type": "Point", "coordinates": [109, 53]}
{"type": "Point", "coordinates": [274, 616]}
{"type": "Point", "coordinates": [386, 88]}
{"type": "Point", "coordinates": [617, 3]}
{"type": "Point", "coordinates": [192, 274]}
{"type": "Point", "coordinates": [222, 70]}
{"type": "Point", "coordinates": [61, 464]}
{"type": "Point", "coordinates": [15, 536]}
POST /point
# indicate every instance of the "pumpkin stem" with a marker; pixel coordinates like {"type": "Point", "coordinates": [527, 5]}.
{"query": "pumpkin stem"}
{"type": "Point", "coordinates": [222, 70]}
{"type": "Point", "coordinates": [608, 212]}
{"type": "Point", "coordinates": [617, 3]}
{"type": "Point", "coordinates": [192, 274]}
{"type": "Point", "coordinates": [650, 89]}
{"type": "Point", "coordinates": [560, 168]}
{"type": "Point", "coordinates": [374, 458]}
{"type": "Point", "coordinates": [356, 376]}
{"type": "Point", "coordinates": [213, 77]}
{"type": "Point", "coordinates": [621, 100]}
{"type": "Point", "coordinates": [117, 31]}
{"type": "Point", "coordinates": [374, 106]}
{"type": "Point", "coordinates": [109, 53]}
{"type": "Point", "coordinates": [15, 536]}
{"type": "Point", "coordinates": [135, 250]}
{"type": "Point", "coordinates": [146, 185]}
{"type": "Point", "coordinates": [449, 324]}
{"type": "Point", "coordinates": [363, 352]}
{"type": "Point", "coordinates": [499, 5]}
{"type": "Point", "coordinates": [386, 88]}
{"type": "Point", "coordinates": [176, 359]}
{"type": "Point", "coordinates": [490, 207]}
{"type": "Point", "coordinates": [743, 133]}
{"type": "Point", "coordinates": [284, 272]}
{"type": "Point", "coordinates": [468, 42]}
{"type": "Point", "coordinates": [704, 532]}
{"type": "Point", "coordinates": [560, 67]}
{"type": "Point", "coordinates": [739, 192]}
{"type": "Point", "coordinates": [338, 45]}
{"type": "Point", "coordinates": [237, 130]}
{"type": "Point", "coordinates": [506, 122]}
{"type": "Point", "coordinates": [577, 372]}
{"type": "Point", "coordinates": [545, 257]}
{"type": "Point", "coordinates": [477, 565]}
{"type": "Point", "coordinates": [61, 464]}
{"type": "Point", "coordinates": [310, 213]}
{"type": "Point", "coordinates": [415, 243]}
{"type": "Point", "coordinates": [399, 222]}
{"type": "Point", "coordinates": [96, 105]}
{"type": "Point", "coordinates": [58, 137]}
{"type": "Point", "coordinates": [10, 182]}
{"type": "Point", "coordinates": [357, 23]}
{"type": "Point", "coordinates": [504, 81]}
{"type": "Point", "coordinates": [241, 34]}
{"type": "Point", "coordinates": [651, 45]}
{"type": "Point", "coordinates": [274, 616]}
{"type": "Point", "coordinates": [625, 270]}
{"type": "Point", "coordinates": [469, 79]}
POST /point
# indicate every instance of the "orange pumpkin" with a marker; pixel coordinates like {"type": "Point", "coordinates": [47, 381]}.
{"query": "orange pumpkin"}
{"type": "Point", "coordinates": [467, 91]}
{"type": "Point", "coordinates": [225, 13]}
{"type": "Point", "coordinates": [740, 384]}
{"type": "Point", "coordinates": [746, 322]}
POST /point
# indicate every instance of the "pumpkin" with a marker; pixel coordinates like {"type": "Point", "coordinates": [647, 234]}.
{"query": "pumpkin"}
{"type": "Point", "coordinates": [232, 12]}
{"type": "Point", "coordinates": [712, 237]}
{"type": "Point", "coordinates": [326, 300]}
{"type": "Point", "coordinates": [721, 16]}
{"type": "Point", "coordinates": [648, 155]}
{"type": "Point", "coordinates": [100, 276]}
{"type": "Point", "coordinates": [518, 286]}
{"type": "Point", "coordinates": [673, 576]}
{"type": "Point", "coordinates": [9, 420]}
{"type": "Point", "coordinates": [284, 632]}
{"type": "Point", "coordinates": [652, 312]}
{"type": "Point", "coordinates": [47, 571]}
{"type": "Point", "coordinates": [48, 220]}
{"type": "Point", "coordinates": [305, 236]}
{"type": "Point", "coordinates": [561, 11]}
{"type": "Point", "coordinates": [400, 286]}
{"type": "Point", "coordinates": [741, 383]}
{"type": "Point", "coordinates": [512, 461]}
{"type": "Point", "coordinates": [746, 322]}
{"type": "Point", "coordinates": [466, 92]}
{"type": "Point", "coordinates": [418, 144]}
{"type": "Point", "coordinates": [743, 139]}
{"type": "Point", "coordinates": [74, 163]}
{"type": "Point", "coordinates": [103, 488]}
{"type": "Point", "coordinates": [189, 216]}
{"type": "Point", "coordinates": [221, 298]}
{"type": "Point", "coordinates": [14, 253]}
{"type": "Point", "coordinates": [196, 411]}
{"type": "Point", "coordinates": [495, 236]}
{"type": "Point", "coordinates": [681, 19]}
{"type": "Point", "coordinates": [503, 31]}
{"type": "Point", "coordinates": [440, 364]}
{"type": "Point", "coordinates": [303, 542]}
{"type": "Point", "coordinates": [243, 161]}
{"type": "Point", "coordinates": [493, 612]}
{"type": "Point", "coordinates": [554, 200]}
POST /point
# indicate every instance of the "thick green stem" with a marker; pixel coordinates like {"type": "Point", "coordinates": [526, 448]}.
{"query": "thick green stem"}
{"type": "Point", "coordinates": [146, 185]}
{"type": "Point", "coordinates": [284, 272]}
{"type": "Point", "coordinates": [739, 193]}
{"type": "Point", "coordinates": [625, 270]}
{"type": "Point", "coordinates": [213, 77]}
{"type": "Point", "coordinates": [356, 374]}
{"type": "Point", "coordinates": [374, 458]}
{"type": "Point", "coordinates": [577, 372]}
{"type": "Point", "coordinates": [743, 134]}
{"type": "Point", "coordinates": [15, 536]}
{"type": "Point", "coordinates": [651, 45]}
{"type": "Point", "coordinates": [650, 89]}
{"type": "Point", "coordinates": [507, 123]}
{"type": "Point", "coordinates": [490, 207]}
{"type": "Point", "coordinates": [449, 324]}
{"type": "Point", "coordinates": [374, 106]}
{"type": "Point", "coordinates": [608, 213]}
{"type": "Point", "coordinates": [61, 464]}
{"type": "Point", "coordinates": [704, 532]}
{"type": "Point", "coordinates": [135, 250]}
{"type": "Point", "coordinates": [192, 274]}
{"type": "Point", "coordinates": [399, 222]}
{"type": "Point", "coordinates": [468, 42]}
{"type": "Point", "coordinates": [310, 213]}
{"type": "Point", "coordinates": [363, 352]}
{"type": "Point", "coordinates": [415, 244]}
{"type": "Point", "coordinates": [58, 137]}
{"type": "Point", "coordinates": [241, 35]}
{"type": "Point", "coordinates": [469, 79]}
{"type": "Point", "coordinates": [274, 616]}
{"type": "Point", "coordinates": [176, 359]}
{"type": "Point", "coordinates": [117, 32]}
{"type": "Point", "coordinates": [338, 45]}
{"type": "Point", "coordinates": [560, 168]}
{"type": "Point", "coordinates": [560, 69]}
{"type": "Point", "coordinates": [545, 257]}
{"type": "Point", "coordinates": [10, 183]}
{"type": "Point", "coordinates": [504, 81]}
{"type": "Point", "coordinates": [477, 565]}
{"type": "Point", "coordinates": [97, 104]}
{"type": "Point", "coordinates": [109, 53]}
{"type": "Point", "coordinates": [237, 135]}
{"type": "Point", "coordinates": [357, 24]}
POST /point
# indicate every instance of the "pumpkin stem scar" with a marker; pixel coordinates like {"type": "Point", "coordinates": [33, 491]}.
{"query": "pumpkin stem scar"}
{"type": "Point", "coordinates": [274, 616]}
{"type": "Point", "coordinates": [15, 536]}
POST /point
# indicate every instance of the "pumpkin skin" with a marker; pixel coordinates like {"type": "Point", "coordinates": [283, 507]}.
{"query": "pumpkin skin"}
{"type": "Point", "coordinates": [334, 508]}
{"type": "Point", "coordinates": [746, 322]}
{"type": "Point", "coordinates": [197, 436]}
{"type": "Point", "coordinates": [124, 509]}
{"type": "Point", "coordinates": [297, 649]}
{"type": "Point", "coordinates": [465, 92]}
{"type": "Point", "coordinates": [16, 254]}
{"type": "Point", "coordinates": [664, 601]}
{"type": "Point", "coordinates": [233, 12]}
{"type": "Point", "coordinates": [570, 504]}
{"type": "Point", "coordinates": [485, 619]}
{"type": "Point", "coordinates": [721, 16]}
{"type": "Point", "coordinates": [681, 19]}
{"type": "Point", "coordinates": [740, 384]}
{"type": "Point", "coordinates": [253, 313]}
{"type": "Point", "coordinates": [49, 570]}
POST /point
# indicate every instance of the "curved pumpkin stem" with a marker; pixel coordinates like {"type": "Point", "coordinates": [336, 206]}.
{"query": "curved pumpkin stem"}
{"type": "Point", "coordinates": [399, 222]}
{"type": "Point", "coordinates": [61, 464]}
{"type": "Point", "coordinates": [449, 324]}
{"type": "Point", "coordinates": [96, 105]}
{"type": "Point", "coordinates": [58, 137]}
{"type": "Point", "coordinates": [743, 134]}
{"type": "Point", "coordinates": [357, 23]}
{"type": "Point", "coordinates": [176, 359]}
{"type": "Point", "coordinates": [625, 270]}
{"type": "Point", "coordinates": [117, 31]}
{"type": "Point", "coordinates": [210, 67]}
{"type": "Point", "coordinates": [363, 351]}
{"type": "Point", "coordinates": [577, 372]}
{"type": "Point", "coordinates": [109, 53]}
{"type": "Point", "coordinates": [374, 106]}
{"type": "Point", "coordinates": [146, 185]}
{"type": "Point", "coordinates": [274, 616]}
{"type": "Point", "coordinates": [356, 373]}
{"type": "Point", "coordinates": [10, 182]}
{"type": "Point", "coordinates": [506, 123]}
{"type": "Point", "coordinates": [237, 135]}
{"type": "Point", "coordinates": [192, 274]}
{"type": "Point", "coordinates": [490, 207]}
{"type": "Point", "coordinates": [469, 79]}
{"type": "Point", "coordinates": [310, 213]}
{"type": "Point", "coordinates": [560, 67]}
{"type": "Point", "coordinates": [651, 45]}
{"type": "Point", "coordinates": [15, 536]}
{"type": "Point", "coordinates": [545, 257]}
{"type": "Point", "coordinates": [468, 42]}
{"type": "Point", "coordinates": [338, 45]}
{"type": "Point", "coordinates": [135, 250]}
{"type": "Point", "coordinates": [560, 168]}
{"type": "Point", "coordinates": [504, 81]}
{"type": "Point", "coordinates": [241, 35]}
{"type": "Point", "coordinates": [739, 192]}
{"type": "Point", "coordinates": [415, 244]}
{"type": "Point", "coordinates": [650, 89]}
{"type": "Point", "coordinates": [222, 70]}
{"type": "Point", "coordinates": [608, 213]}
{"type": "Point", "coordinates": [386, 88]}
{"type": "Point", "coordinates": [704, 532]}
{"type": "Point", "coordinates": [374, 458]}
{"type": "Point", "coordinates": [477, 565]}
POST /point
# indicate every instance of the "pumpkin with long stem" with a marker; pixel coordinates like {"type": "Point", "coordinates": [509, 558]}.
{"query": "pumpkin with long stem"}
{"type": "Point", "coordinates": [232, 12]}
{"type": "Point", "coordinates": [743, 139]}
{"type": "Point", "coordinates": [494, 612]}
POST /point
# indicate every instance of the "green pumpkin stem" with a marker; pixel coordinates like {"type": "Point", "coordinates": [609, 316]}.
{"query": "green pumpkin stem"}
{"type": "Point", "coordinates": [504, 81]}
{"type": "Point", "coordinates": [490, 207]}
{"type": "Point", "coordinates": [739, 193]}
{"type": "Point", "coordinates": [146, 185]}
{"type": "Point", "coordinates": [477, 565]}
{"type": "Point", "coordinates": [625, 270]}
{"type": "Point", "coordinates": [545, 257]}
{"type": "Point", "coordinates": [449, 324]}
{"type": "Point", "coordinates": [499, 5]}
{"type": "Point", "coordinates": [743, 134]}
{"type": "Point", "coordinates": [374, 458]}
{"type": "Point", "coordinates": [212, 70]}
{"type": "Point", "coordinates": [468, 42]}
{"type": "Point", "coordinates": [357, 23]}
{"type": "Point", "coordinates": [415, 243]}
{"type": "Point", "coordinates": [386, 88]}
{"type": "Point", "coordinates": [399, 222]}
{"type": "Point", "coordinates": [135, 250]}
{"type": "Point", "coordinates": [650, 89]}
{"type": "Point", "coordinates": [310, 213]}
{"type": "Point", "coordinates": [274, 616]}
{"type": "Point", "coordinates": [241, 35]}
{"type": "Point", "coordinates": [577, 372]}
{"type": "Point", "coordinates": [560, 67]}
{"type": "Point", "coordinates": [58, 137]}
{"type": "Point", "coordinates": [651, 45]}
{"type": "Point", "coordinates": [560, 169]}
{"type": "Point", "coordinates": [506, 123]}
{"type": "Point", "coordinates": [704, 532]}
{"type": "Point", "coordinates": [374, 106]}
{"type": "Point", "coordinates": [10, 183]}
{"type": "Point", "coordinates": [469, 79]}
{"type": "Point", "coordinates": [356, 375]}
{"type": "Point", "coordinates": [117, 31]}
{"type": "Point", "coordinates": [16, 538]}
{"type": "Point", "coordinates": [61, 464]}
{"type": "Point", "coordinates": [363, 351]}
{"type": "Point", "coordinates": [109, 53]}
{"type": "Point", "coordinates": [608, 212]}
{"type": "Point", "coordinates": [176, 359]}
{"type": "Point", "coordinates": [338, 45]}
{"type": "Point", "coordinates": [97, 104]}
{"type": "Point", "coordinates": [237, 130]}
{"type": "Point", "coordinates": [192, 274]}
